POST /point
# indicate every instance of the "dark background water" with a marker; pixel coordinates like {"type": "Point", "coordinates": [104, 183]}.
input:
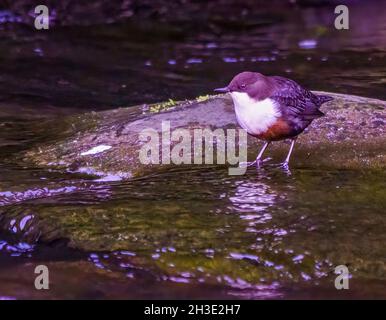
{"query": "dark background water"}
{"type": "Point", "coordinates": [120, 56]}
{"type": "Point", "coordinates": [105, 54]}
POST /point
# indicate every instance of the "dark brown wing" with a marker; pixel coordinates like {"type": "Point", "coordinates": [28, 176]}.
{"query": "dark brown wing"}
{"type": "Point", "coordinates": [296, 101]}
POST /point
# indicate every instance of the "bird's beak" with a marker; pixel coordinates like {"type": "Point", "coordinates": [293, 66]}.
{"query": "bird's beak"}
{"type": "Point", "coordinates": [222, 90]}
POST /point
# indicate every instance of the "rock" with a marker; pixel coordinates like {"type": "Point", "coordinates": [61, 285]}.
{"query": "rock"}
{"type": "Point", "coordinates": [107, 144]}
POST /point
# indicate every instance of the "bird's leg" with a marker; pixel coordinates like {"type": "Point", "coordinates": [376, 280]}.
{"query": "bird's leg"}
{"type": "Point", "coordinates": [286, 161]}
{"type": "Point", "coordinates": [258, 160]}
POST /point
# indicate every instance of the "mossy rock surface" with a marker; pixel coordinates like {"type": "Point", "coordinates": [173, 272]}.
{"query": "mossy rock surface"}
{"type": "Point", "coordinates": [350, 136]}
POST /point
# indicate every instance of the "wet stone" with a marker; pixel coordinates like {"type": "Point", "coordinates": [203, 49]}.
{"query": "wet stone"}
{"type": "Point", "coordinates": [119, 130]}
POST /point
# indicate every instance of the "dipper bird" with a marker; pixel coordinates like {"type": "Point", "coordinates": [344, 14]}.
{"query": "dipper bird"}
{"type": "Point", "coordinates": [273, 108]}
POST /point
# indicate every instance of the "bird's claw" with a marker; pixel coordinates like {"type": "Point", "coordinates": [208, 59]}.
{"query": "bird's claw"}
{"type": "Point", "coordinates": [257, 162]}
{"type": "Point", "coordinates": [284, 165]}
{"type": "Point", "coordinates": [285, 168]}
{"type": "Point", "coordinates": [246, 164]}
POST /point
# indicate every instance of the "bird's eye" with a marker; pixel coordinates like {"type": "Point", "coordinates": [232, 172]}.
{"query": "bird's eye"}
{"type": "Point", "coordinates": [243, 86]}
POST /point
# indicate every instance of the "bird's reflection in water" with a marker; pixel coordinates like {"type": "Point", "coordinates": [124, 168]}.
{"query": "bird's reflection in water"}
{"type": "Point", "coordinates": [258, 202]}
{"type": "Point", "coordinates": [252, 196]}
{"type": "Point", "coordinates": [253, 199]}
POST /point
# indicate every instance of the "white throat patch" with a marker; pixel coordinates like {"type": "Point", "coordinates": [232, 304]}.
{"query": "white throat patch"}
{"type": "Point", "coordinates": [254, 116]}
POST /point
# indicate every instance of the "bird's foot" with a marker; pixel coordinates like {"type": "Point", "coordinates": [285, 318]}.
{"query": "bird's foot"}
{"type": "Point", "coordinates": [247, 164]}
{"type": "Point", "coordinates": [258, 163]}
{"type": "Point", "coordinates": [283, 165]}
{"type": "Point", "coordinates": [280, 165]}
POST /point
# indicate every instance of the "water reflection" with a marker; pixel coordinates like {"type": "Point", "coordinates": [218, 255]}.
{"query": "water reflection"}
{"type": "Point", "coordinates": [21, 226]}
{"type": "Point", "coordinates": [9, 197]}
{"type": "Point", "coordinates": [17, 249]}
{"type": "Point", "coordinates": [248, 235]}
{"type": "Point", "coordinates": [262, 291]}
{"type": "Point", "coordinates": [93, 193]}
{"type": "Point", "coordinates": [255, 199]}
{"type": "Point", "coordinates": [261, 200]}
{"type": "Point", "coordinates": [252, 197]}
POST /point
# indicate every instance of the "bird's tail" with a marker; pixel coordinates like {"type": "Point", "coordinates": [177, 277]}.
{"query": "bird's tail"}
{"type": "Point", "coordinates": [324, 98]}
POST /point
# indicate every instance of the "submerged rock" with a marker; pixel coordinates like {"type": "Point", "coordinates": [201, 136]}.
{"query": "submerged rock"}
{"type": "Point", "coordinates": [351, 135]}
{"type": "Point", "coordinates": [206, 226]}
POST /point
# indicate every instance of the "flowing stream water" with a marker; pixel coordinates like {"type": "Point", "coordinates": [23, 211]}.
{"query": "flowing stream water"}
{"type": "Point", "coordinates": [193, 232]}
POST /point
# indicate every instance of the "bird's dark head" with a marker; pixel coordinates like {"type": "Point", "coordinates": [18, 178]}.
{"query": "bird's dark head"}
{"type": "Point", "coordinates": [256, 85]}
